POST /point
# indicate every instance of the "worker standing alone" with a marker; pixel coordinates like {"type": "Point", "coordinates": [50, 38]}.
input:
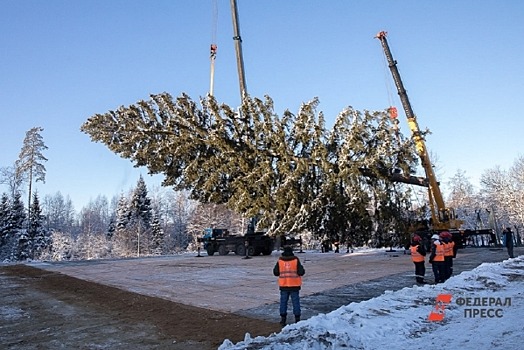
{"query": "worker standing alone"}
{"type": "Point", "coordinates": [289, 271]}
{"type": "Point", "coordinates": [507, 238]}
{"type": "Point", "coordinates": [418, 253]}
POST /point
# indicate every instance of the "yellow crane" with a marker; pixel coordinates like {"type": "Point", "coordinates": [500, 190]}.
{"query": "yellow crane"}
{"type": "Point", "coordinates": [442, 217]}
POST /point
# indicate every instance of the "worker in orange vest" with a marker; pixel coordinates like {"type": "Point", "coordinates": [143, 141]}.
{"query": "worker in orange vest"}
{"type": "Point", "coordinates": [418, 253]}
{"type": "Point", "coordinates": [437, 259]}
{"type": "Point", "coordinates": [289, 271]}
{"type": "Point", "coordinates": [447, 240]}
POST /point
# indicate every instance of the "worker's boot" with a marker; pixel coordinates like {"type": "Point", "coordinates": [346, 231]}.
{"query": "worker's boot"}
{"type": "Point", "coordinates": [283, 320]}
{"type": "Point", "coordinates": [297, 318]}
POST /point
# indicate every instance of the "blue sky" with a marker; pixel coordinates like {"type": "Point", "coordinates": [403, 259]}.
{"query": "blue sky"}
{"type": "Point", "coordinates": [64, 61]}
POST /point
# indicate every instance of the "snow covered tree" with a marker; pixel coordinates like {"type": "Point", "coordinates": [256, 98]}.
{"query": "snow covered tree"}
{"type": "Point", "coordinates": [24, 249]}
{"type": "Point", "coordinates": [95, 216]}
{"type": "Point", "coordinates": [140, 205]}
{"type": "Point", "coordinates": [465, 201]}
{"type": "Point", "coordinates": [111, 228]}
{"type": "Point", "coordinates": [59, 213]}
{"type": "Point", "coordinates": [36, 229]}
{"type": "Point", "coordinates": [132, 222]}
{"type": "Point", "coordinates": [284, 170]}
{"type": "Point", "coordinates": [14, 230]}
{"type": "Point", "coordinates": [505, 192]}
{"type": "Point", "coordinates": [122, 239]}
{"type": "Point", "coordinates": [173, 210]}
{"type": "Point", "coordinates": [61, 247]}
{"type": "Point", "coordinates": [140, 217]}
{"type": "Point", "coordinates": [4, 218]}
{"type": "Point", "coordinates": [10, 177]}
{"type": "Point", "coordinates": [122, 213]}
{"type": "Point", "coordinates": [91, 245]}
{"type": "Point", "coordinates": [29, 165]}
{"type": "Point", "coordinates": [17, 215]}
{"type": "Point", "coordinates": [516, 199]}
{"type": "Point", "coordinates": [497, 187]}
{"type": "Point", "coordinates": [157, 237]}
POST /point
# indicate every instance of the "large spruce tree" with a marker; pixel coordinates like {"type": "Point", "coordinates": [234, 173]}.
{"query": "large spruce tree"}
{"type": "Point", "coordinates": [290, 171]}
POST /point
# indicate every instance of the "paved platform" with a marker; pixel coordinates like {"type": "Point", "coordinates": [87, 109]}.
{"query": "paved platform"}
{"type": "Point", "coordinates": [247, 286]}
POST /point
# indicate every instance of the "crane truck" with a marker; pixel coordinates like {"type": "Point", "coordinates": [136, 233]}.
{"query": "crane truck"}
{"type": "Point", "coordinates": [443, 218]}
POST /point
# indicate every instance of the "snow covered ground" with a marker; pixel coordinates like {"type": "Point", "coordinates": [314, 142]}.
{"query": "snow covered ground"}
{"type": "Point", "coordinates": [485, 311]}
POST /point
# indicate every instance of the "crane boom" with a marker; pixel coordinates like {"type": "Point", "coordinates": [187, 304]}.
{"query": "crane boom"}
{"type": "Point", "coordinates": [238, 50]}
{"type": "Point", "coordinates": [442, 218]}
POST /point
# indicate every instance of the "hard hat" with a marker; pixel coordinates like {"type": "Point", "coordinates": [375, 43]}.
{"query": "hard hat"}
{"type": "Point", "coordinates": [416, 238]}
{"type": "Point", "coordinates": [435, 236]}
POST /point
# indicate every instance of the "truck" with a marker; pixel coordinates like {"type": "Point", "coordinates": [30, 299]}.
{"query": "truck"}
{"type": "Point", "coordinates": [252, 242]}
{"type": "Point", "coordinates": [443, 218]}
{"type": "Point", "coordinates": [221, 241]}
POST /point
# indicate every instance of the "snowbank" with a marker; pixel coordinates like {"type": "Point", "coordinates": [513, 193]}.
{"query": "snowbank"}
{"type": "Point", "coordinates": [485, 311]}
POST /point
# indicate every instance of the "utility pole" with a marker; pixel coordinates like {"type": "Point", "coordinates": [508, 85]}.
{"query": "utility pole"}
{"type": "Point", "coordinates": [238, 49]}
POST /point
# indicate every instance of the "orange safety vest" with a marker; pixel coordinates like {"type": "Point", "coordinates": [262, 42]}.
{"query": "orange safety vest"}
{"type": "Point", "coordinates": [288, 276]}
{"type": "Point", "coordinates": [439, 252]}
{"type": "Point", "coordinates": [415, 255]}
{"type": "Point", "coordinates": [448, 248]}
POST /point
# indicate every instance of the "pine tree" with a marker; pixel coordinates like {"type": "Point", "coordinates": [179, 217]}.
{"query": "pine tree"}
{"type": "Point", "coordinates": [29, 165]}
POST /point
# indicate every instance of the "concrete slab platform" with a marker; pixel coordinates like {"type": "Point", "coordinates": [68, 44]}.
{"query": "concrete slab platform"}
{"type": "Point", "coordinates": [247, 286]}
{"type": "Point", "coordinates": [230, 283]}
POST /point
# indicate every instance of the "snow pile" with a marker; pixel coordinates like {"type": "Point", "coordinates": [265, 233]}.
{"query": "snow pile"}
{"type": "Point", "coordinates": [485, 312]}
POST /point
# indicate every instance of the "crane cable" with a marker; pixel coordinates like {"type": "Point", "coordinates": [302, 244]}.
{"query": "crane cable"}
{"type": "Point", "coordinates": [213, 48]}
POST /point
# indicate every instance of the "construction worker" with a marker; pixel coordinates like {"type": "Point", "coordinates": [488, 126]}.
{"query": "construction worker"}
{"type": "Point", "coordinates": [418, 253]}
{"type": "Point", "coordinates": [507, 239]}
{"type": "Point", "coordinates": [437, 259]}
{"type": "Point", "coordinates": [289, 271]}
{"type": "Point", "coordinates": [449, 249]}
